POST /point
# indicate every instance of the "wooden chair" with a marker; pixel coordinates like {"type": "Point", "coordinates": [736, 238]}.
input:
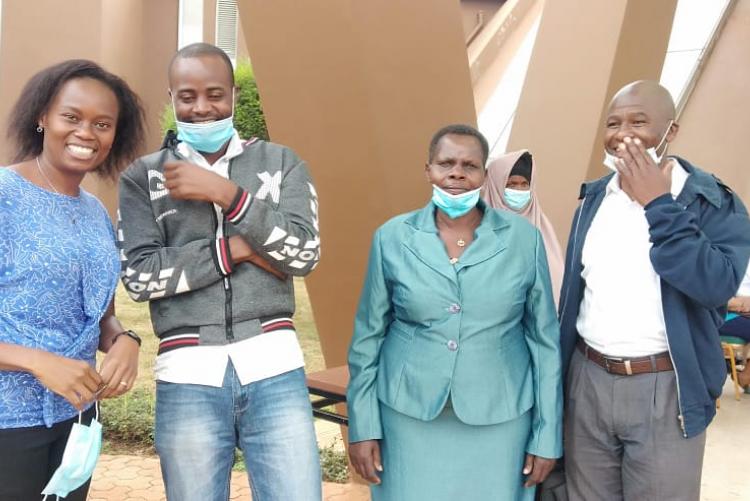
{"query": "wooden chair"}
{"type": "Point", "coordinates": [734, 348]}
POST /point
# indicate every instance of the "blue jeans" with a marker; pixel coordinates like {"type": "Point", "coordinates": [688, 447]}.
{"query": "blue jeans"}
{"type": "Point", "coordinates": [198, 428]}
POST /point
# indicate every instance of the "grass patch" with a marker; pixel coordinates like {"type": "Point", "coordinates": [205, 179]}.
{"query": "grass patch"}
{"type": "Point", "coordinates": [128, 422]}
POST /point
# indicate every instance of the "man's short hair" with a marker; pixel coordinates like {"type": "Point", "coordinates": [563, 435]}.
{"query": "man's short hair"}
{"type": "Point", "coordinates": [202, 49]}
{"type": "Point", "coordinates": [459, 130]}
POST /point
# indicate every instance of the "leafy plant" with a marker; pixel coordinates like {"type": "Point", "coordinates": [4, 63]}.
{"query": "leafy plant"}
{"type": "Point", "coordinates": [333, 464]}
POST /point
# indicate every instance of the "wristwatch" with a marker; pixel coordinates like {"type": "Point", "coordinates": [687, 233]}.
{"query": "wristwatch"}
{"type": "Point", "coordinates": [132, 335]}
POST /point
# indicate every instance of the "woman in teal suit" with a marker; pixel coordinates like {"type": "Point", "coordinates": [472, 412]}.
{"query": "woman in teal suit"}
{"type": "Point", "coordinates": [455, 362]}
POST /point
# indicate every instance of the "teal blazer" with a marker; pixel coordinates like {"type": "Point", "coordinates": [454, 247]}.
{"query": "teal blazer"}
{"type": "Point", "coordinates": [483, 332]}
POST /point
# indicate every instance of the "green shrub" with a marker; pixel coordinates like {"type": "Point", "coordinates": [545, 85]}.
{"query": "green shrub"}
{"type": "Point", "coordinates": [248, 112]}
{"type": "Point", "coordinates": [129, 420]}
{"type": "Point", "coordinates": [334, 465]}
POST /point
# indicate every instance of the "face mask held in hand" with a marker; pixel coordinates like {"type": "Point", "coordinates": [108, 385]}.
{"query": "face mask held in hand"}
{"type": "Point", "coordinates": [79, 458]}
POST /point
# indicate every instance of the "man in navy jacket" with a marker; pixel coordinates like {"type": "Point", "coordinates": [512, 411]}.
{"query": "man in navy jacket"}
{"type": "Point", "coordinates": [656, 250]}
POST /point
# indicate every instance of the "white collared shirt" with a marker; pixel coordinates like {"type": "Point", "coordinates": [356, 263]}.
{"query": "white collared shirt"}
{"type": "Point", "coordinates": [621, 311]}
{"type": "Point", "coordinates": [744, 289]}
{"type": "Point", "coordinates": [254, 359]}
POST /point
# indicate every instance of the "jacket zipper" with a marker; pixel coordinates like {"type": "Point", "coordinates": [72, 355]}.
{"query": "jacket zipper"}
{"type": "Point", "coordinates": [227, 280]}
{"type": "Point", "coordinates": [573, 259]}
{"type": "Point", "coordinates": [680, 416]}
{"type": "Point", "coordinates": [228, 295]}
{"type": "Point", "coordinates": [227, 287]}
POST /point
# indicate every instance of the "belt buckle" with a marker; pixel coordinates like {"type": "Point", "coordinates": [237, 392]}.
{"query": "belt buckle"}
{"type": "Point", "coordinates": [628, 368]}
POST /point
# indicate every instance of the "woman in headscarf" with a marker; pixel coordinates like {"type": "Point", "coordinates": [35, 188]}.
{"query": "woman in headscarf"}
{"type": "Point", "coordinates": [510, 185]}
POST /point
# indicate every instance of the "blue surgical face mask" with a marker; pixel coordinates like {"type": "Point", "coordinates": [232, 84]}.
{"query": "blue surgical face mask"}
{"type": "Point", "coordinates": [609, 159]}
{"type": "Point", "coordinates": [206, 137]}
{"type": "Point", "coordinates": [79, 458]}
{"type": "Point", "coordinates": [517, 199]}
{"type": "Point", "coordinates": [455, 205]}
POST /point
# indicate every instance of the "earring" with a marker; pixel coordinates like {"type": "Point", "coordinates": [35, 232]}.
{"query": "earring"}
{"type": "Point", "coordinates": [39, 129]}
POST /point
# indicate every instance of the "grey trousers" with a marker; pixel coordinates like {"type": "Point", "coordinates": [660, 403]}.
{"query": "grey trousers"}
{"type": "Point", "coordinates": [623, 439]}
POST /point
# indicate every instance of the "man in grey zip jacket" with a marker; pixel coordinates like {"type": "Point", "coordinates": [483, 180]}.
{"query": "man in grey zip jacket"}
{"type": "Point", "coordinates": [212, 229]}
{"type": "Point", "coordinates": [656, 251]}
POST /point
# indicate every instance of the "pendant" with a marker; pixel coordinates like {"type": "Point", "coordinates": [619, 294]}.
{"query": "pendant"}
{"type": "Point", "coordinates": [453, 260]}
{"type": "Point", "coordinates": [461, 242]}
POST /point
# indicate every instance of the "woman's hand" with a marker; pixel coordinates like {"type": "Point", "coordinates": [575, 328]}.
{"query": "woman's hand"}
{"type": "Point", "coordinates": [75, 380]}
{"type": "Point", "coordinates": [365, 458]}
{"type": "Point", "coordinates": [537, 468]}
{"type": "Point", "coordinates": [119, 367]}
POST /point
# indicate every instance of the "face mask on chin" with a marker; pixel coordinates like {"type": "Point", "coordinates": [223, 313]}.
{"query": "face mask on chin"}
{"type": "Point", "coordinates": [455, 205]}
{"type": "Point", "coordinates": [206, 137]}
{"type": "Point", "coordinates": [609, 159]}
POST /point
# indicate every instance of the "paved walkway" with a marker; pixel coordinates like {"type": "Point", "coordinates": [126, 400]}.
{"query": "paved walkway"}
{"type": "Point", "coordinates": [137, 478]}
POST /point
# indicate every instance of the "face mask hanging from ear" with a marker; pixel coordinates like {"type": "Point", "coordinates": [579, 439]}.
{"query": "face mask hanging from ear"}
{"type": "Point", "coordinates": [79, 458]}
{"type": "Point", "coordinates": [206, 137]}
{"type": "Point", "coordinates": [609, 159]}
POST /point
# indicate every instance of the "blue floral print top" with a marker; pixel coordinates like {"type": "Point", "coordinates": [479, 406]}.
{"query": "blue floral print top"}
{"type": "Point", "coordinates": [58, 271]}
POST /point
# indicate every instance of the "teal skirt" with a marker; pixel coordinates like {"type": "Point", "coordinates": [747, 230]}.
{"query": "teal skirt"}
{"type": "Point", "coordinates": [446, 459]}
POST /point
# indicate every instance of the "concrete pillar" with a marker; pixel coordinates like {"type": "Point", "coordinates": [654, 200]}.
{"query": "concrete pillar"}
{"type": "Point", "coordinates": [715, 122]}
{"type": "Point", "coordinates": [357, 89]}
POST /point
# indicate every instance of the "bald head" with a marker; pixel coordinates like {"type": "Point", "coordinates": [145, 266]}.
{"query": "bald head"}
{"type": "Point", "coordinates": [651, 96]}
{"type": "Point", "coordinates": [641, 110]}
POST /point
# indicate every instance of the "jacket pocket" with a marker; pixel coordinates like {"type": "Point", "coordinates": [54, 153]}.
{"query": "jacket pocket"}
{"type": "Point", "coordinates": [517, 374]}
{"type": "Point", "coordinates": [393, 356]}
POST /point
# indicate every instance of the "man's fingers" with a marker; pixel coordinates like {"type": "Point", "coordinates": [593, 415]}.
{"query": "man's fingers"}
{"type": "Point", "coordinates": [171, 166]}
{"type": "Point", "coordinates": [623, 168]}
{"type": "Point", "coordinates": [637, 152]}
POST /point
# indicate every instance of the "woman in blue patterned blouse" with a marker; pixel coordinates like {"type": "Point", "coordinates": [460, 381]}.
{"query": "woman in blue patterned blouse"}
{"type": "Point", "coordinates": [59, 267]}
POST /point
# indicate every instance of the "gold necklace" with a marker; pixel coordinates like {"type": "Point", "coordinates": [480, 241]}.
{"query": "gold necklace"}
{"type": "Point", "coordinates": [49, 182]}
{"type": "Point", "coordinates": [39, 166]}
{"type": "Point", "coordinates": [461, 243]}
